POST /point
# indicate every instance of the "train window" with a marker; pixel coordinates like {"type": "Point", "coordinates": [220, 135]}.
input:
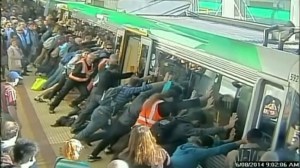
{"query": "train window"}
{"type": "Point", "coordinates": [227, 88]}
{"type": "Point", "coordinates": [271, 106]}
{"type": "Point", "coordinates": [206, 80]}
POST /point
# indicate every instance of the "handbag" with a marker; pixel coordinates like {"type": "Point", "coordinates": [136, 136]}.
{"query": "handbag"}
{"type": "Point", "coordinates": [39, 83]}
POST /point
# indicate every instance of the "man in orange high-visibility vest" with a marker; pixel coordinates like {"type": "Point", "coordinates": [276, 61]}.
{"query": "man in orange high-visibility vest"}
{"type": "Point", "coordinates": [151, 111]}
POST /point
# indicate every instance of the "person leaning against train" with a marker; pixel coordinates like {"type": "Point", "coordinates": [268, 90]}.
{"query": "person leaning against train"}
{"type": "Point", "coordinates": [79, 78]}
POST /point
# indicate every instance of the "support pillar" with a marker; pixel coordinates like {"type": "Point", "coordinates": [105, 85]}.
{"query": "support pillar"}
{"type": "Point", "coordinates": [295, 15]}
{"type": "Point", "coordinates": [228, 8]}
{"type": "Point", "coordinates": [194, 7]}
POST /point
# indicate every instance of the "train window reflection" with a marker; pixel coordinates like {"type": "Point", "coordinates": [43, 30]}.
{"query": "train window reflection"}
{"type": "Point", "coordinates": [270, 112]}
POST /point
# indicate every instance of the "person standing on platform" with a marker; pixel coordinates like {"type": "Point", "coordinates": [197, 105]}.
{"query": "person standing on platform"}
{"type": "Point", "coordinates": [9, 98]}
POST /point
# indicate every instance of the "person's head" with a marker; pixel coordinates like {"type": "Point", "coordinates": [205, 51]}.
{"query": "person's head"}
{"type": "Point", "coordinates": [78, 41]}
{"type": "Point", "coordinates": [71, 39]}
{"type": "Point", "coordinates": [22, 25]}
{"type": "Point", "coordinates": [38, 23]}
{"type": "Point", "coordinates": [203, 141]}
{"type": "Point", "coordinates": [254, 136]}
{"type": "Point", "coordinates": [109, 47]}
{"type": "Point", "coordinates": [174, 93]}
{"type": "Point", "coordinates": [32, 26]}
{"type": "Point", "coordinates": [9, 134]}
{"type": "Point", "coordinates": [13, 77]}
{"type": "Point", "coordinates": [8, 25]}
{"type": "Point", "coordinates": [85, 52]}
{"type": "Point", "coordinates": [142, 148]}
{"type": "Point", "coordinates": [90, 58]}
{"type": "Point", "coordinates": [19, 30]}
{"type": "Point", "coordinates": [71, 149]}
{"type": "Point", "coordinates": [134, 81]}
{"type": "Point", "coordinates": [24, 152]}
{"type": "Point", "coordinates": [49, 20]}
{"type": "Point", "coordinates": [117, 164]}
{"type": "Point", "coordinates": [113, 59]}
{"type": "Point", "coordinates": [88, 38]}
{"type": "Point", "coordinates": [14, 42]}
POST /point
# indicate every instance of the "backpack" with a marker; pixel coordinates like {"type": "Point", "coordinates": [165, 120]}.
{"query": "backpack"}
{"type": "Point", "coordinates": [248, 155]}
{"type": "Point", "coordinates": [66, 163]}
{"type": "Point", "coordinates": [66, 58]}
{"type": "Point", "coordinates": [109, 96]}
{"type": "Point", "coordinates": [50, 42]}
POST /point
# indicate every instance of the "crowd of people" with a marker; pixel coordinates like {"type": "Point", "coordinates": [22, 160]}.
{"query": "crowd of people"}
{"type": "Point", "coordinates": [147, 122]}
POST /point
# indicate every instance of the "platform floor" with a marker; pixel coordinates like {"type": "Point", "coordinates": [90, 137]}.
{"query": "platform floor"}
{"type": "Point", "coordinates": [36, 122]}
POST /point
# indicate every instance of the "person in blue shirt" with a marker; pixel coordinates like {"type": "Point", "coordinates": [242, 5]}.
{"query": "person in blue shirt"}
{"type": "Point", "coordinates": [198, 149]}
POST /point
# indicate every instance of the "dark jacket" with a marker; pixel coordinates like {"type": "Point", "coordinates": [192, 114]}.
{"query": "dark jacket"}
{"type": "Point", "coordinates": [190, 155]}
{"type": "Point", "coordinates": [108, 79]}
{"type": "Point", "coordinates": [131, 113]}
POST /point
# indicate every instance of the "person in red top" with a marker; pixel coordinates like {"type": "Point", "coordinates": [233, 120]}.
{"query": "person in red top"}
{"type": "Point", "coordinates": [9, 97]}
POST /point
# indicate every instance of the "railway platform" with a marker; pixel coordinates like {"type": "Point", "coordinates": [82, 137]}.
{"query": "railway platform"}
{"type": "Point", "coordinates": [36, 125]}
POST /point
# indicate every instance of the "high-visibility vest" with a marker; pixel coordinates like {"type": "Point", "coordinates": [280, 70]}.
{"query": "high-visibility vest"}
{"type": "Point", "coordinates": [149, 116]}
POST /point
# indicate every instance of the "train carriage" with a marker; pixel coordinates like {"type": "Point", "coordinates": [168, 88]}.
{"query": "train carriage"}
{"type": "Point", "coordinates": [260, 84]}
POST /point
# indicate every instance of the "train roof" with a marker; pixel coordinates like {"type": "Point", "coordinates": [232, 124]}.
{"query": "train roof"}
{"type": "Point", "coordinates": [229, 43]}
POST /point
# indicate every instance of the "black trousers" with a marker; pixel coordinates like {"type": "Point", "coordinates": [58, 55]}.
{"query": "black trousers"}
{"type": "Point", "coordinates": [57, 88]}
{"type": "Point", "coordinates": [120, 146]}
{"type": "Point", "coordinates": [68, 86]}
{"type": "Point", "coordinates": [113, 134]}
{"type": "Point", "coordinates": [85, 114]}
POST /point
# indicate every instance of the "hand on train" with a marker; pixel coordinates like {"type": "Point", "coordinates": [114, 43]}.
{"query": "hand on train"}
{"type": "Point", "coordinates": [296, 144]}
{"type": "Point", "coordinates": [232, 134]}
{"type": "Point", "coordinates": [168, 77]}
{"type": "Point", "coordinates": [232, 121]}
{"type": "Point", "coordinates": [209, 93]}
{"type": "Point", "coordinates": [210, 103]}
{"type": "Point", "coordinates": [242, 141]}
{"type": "Point", "coordinates": [194, 94]}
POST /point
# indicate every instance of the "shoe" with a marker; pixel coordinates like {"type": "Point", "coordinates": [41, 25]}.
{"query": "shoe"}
{"type": "Point", "coordinates": [108, 151]}
{"type": "Point", "coordinates": [51, 110]}
{"type": "Point", "coordinates": [84, 143]}
{"type": "Point", "coordinates": [38, 99]}
{"type": "Point", "coordinates": [92, 158]}
{"type": "Point", "coordinates": [24, 74]}
{"type": "Point", "coordinates": [73, 106]}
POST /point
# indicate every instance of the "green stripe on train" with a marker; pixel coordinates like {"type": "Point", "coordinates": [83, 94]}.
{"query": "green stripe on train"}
{"type": "Point", "coordinates": [233, 50]}
{"type": "Point", "coordinates": [256, 12]}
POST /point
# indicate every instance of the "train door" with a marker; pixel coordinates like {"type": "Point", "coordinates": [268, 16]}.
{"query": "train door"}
{"type": "Point", "coordinates": [267, 111]}
{"type": "Point", "coordinates": [133, 46]}
{"type": "Point", "coordinates": [132, 55]}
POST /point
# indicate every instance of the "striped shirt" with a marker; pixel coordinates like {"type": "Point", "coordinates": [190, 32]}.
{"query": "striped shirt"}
{"type": "Point", "coordinates": [8, 96]}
